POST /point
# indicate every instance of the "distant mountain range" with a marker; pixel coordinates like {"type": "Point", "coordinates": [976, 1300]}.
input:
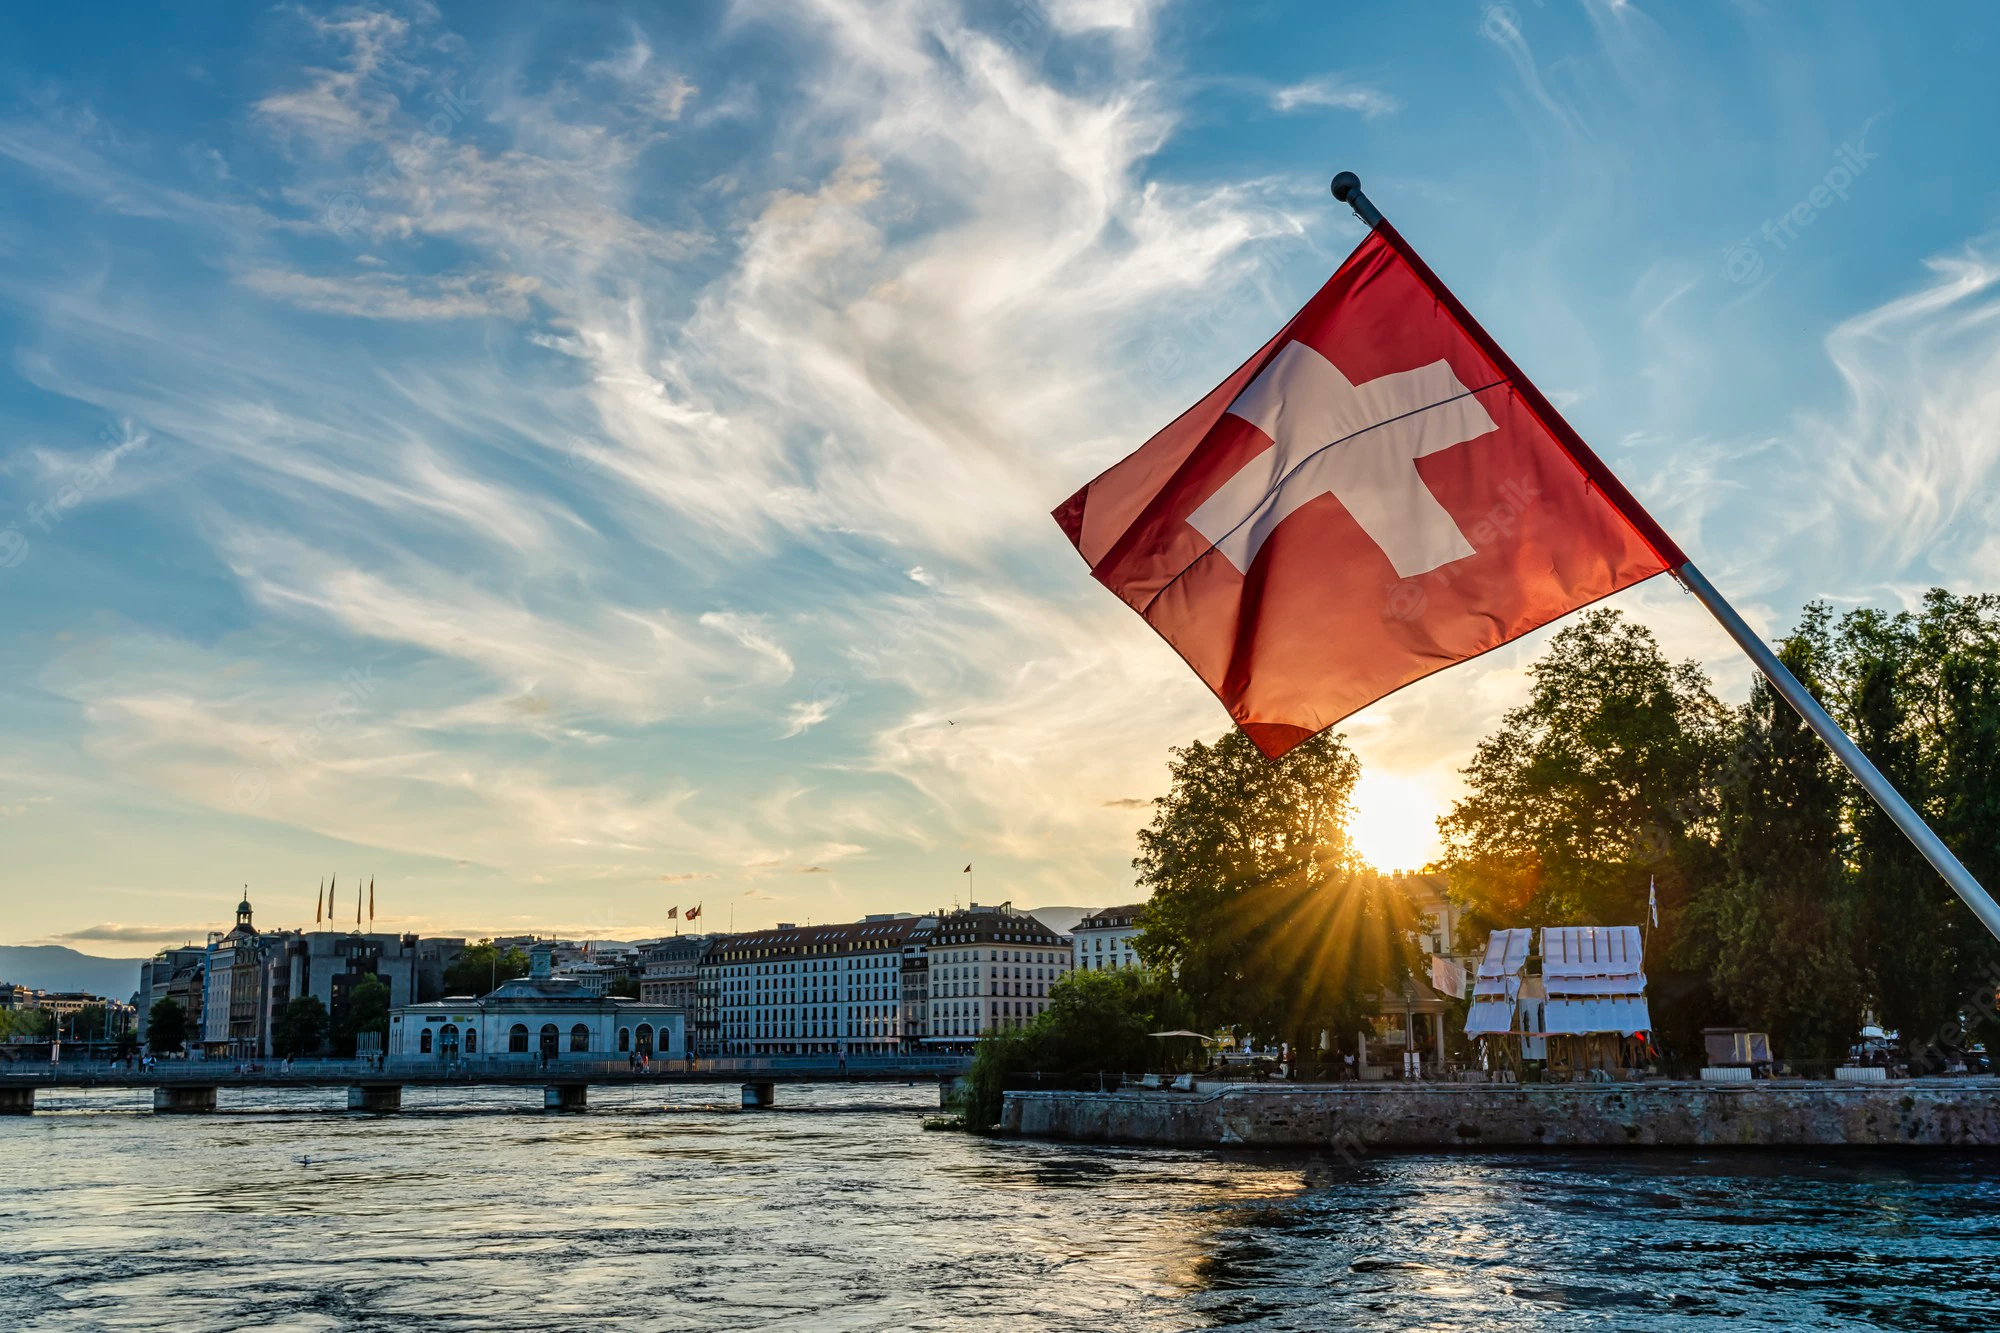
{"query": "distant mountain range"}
{"type": "Point", "coordinates": [54, 967]}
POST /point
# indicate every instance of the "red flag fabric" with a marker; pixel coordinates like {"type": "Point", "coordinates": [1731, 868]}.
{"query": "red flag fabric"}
{"type": "Point", "coordinates": [1377, 494]}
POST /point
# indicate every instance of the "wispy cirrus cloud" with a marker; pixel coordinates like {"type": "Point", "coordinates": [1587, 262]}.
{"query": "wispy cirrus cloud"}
{"type": "Point", "coordinates": [1336, 92]}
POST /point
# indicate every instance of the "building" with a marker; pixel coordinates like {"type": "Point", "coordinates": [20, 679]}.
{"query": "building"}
{"type": "Point", "coordinates": [234, 987]}
{"type": "Point", "coordinates": [537, 1018]}
{"type": "Point", "coordinates": [1107, 939]}
{"type": "Point", "coordinates": [158, 976]}
{"type": "Point", "coordinates": [990, 968]}
{"type": "Point", "coordinates": [815, 990]}
{"type": "Point", "coordinates": [328, 965]}
{"type": "Point", "coordinates": [916, 997]}
{"type": "Point", "coordinates": [64, 1005]}
{"type": "Point", "coordinates": [1406, 1035]}
{"type": "Point", "coordinates": [670, 970]}
{"type": "Point", "coordinates": [233, 1018]}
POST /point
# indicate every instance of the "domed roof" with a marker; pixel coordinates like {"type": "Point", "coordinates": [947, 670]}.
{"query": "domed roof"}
{"type": "Point", "coordinates": [243, 908]}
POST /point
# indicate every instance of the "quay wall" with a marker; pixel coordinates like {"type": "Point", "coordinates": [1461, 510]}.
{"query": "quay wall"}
{"type": "Point", "coordinates": [1958, 1113]}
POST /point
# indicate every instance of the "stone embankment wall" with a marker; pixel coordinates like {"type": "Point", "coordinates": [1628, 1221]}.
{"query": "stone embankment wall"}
{"type": "Point", "coordinates": [1960, 1113]}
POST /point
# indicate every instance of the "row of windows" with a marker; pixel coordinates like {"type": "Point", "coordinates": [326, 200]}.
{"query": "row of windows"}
{"type": "Point", "coordinates": [449, 1041]}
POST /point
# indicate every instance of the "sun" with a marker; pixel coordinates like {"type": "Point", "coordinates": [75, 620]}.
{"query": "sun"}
{"type": "Point", "coordinates": [1395, 821]}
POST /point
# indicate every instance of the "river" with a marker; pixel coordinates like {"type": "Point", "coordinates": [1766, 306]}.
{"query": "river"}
{"type": "Point", "coordinates": [476, 1210]}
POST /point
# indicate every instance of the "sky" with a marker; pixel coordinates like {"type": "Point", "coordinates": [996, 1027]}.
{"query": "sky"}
{"type": "Point", "coordinates": [568, 461]}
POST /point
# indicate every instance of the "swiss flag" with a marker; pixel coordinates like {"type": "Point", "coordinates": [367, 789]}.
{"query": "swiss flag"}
{"type": "Point", "coordinates": [1377, 494]}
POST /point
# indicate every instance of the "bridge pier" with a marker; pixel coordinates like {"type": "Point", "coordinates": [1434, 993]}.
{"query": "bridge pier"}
{"type": "Point", "coordinates": [565, 1096]}
{"type": "Point", "coordinates": [17, 1101]}
{"type": "Point", "coordinates": [175, 1100]}
{"type": "Point", "coordinates": [380, 1098]}
{"type": "Point", "coordinates": [759, 1094]}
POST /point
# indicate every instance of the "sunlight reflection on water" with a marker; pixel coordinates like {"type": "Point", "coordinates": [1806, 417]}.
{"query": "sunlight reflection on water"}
{"type": "Point", "coordinates": [671, 1211]}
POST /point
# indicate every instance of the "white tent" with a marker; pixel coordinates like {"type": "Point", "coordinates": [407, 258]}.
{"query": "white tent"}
{"type": "Point", "coordinates": [1498, 986]}
{"type": "Point", "coordinates": [1596, 979]}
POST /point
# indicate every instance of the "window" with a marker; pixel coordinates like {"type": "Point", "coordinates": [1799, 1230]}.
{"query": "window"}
{"type": "Point", "coordinates": [517, 1039]}
{"type": "Point", "coordinates": [579, 1038]}
{"type": "Point", "coordinates": [551, 1040]}
{"type": "Point", "coordinates": [424, 1042]}
{"type": "Point", "coordinates": [472, 1041]}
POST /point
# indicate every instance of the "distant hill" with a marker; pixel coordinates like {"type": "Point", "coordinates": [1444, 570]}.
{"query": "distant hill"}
{"type": "Point", "coordinates": [54, 967]}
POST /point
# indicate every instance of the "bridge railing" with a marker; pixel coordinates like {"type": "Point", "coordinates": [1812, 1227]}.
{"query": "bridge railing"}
{"type": "Point", "coordinates": [506, 1066]}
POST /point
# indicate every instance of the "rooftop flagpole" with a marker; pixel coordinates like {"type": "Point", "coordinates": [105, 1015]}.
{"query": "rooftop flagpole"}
{"type": "Point", "coordinates": [1347, 189]}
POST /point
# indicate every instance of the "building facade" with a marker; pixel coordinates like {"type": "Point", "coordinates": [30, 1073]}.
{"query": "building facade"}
{"type": "Point", "coordinates": [990, 968]}
{"type": "Point", "coordinates": [670, 970]}
{"type": "Point", "coordinates": [234, 987]}
{"type": "Point", "coordinates": [815, 990]}
{"type": "Point", "coordinates": [1107, 939]}
{"type": "Point", "coordinates": [540, 1018]}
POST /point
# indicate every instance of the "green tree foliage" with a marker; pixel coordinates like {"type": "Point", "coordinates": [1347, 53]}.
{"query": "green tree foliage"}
{"type": "Point", "coordinates": [1597, 786]}
{"type": "Point", "coordinates": [1603, 784]}
{"type": "Point", "coordinates": [1260, 909]}
{"type": "Point", "coordinates": [1095, 1022]}
{"type": "Point", "coordinates": [1776, 927]}
{"type": "Point", "coordinates": [483, 966]}
{"type": "Point", "coordinates": [26, 1024]}
{"type": "Point", "coordinates": [623, 987]}
{"type": "Point", "coordinates": [1921, 695]}
{"type": "Point", "coordinates": [300, 1028]}
{"type": "Point", "coordinates": [367, 1011]}
{"type": "Point", "coordinates": [1780, 881]}
{"type": "Point", "coordinates": [166, 1026]}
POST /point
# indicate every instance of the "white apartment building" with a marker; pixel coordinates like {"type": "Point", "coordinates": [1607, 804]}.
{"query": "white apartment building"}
{"type": "Point", "coordinates": [1107, 939]}
{"type": "Point", "coordinates": [990, 968]}
{"type": "Point", "coordinates": [816, 990]}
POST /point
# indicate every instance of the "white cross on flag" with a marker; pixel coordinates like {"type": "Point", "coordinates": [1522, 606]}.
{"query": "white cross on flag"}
{"type": "Point", "coordinates": [1377, 494]}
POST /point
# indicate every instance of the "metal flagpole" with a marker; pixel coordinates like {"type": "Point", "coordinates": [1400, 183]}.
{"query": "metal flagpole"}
{"type": "Point", "coordinates": [1347, 189]}
{"type": "Point", "coordinates": [1899, 810]}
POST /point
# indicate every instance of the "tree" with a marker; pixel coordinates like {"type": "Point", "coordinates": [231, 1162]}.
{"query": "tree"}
{"type": "Point", "coordinates": [1261, 912]}
{"type": "Point", "coordinates": [1921, 696]}
{"type": "Point", "coordinates": [367, 1011]}
{"type": "Point", "coordinates": [166, 1026]}
{"type": "Point", "coordinates": [623, 987]}
{"type": "Point", "coordinates": [300, 1028]}
{"type": "Point", "coordinates": [1777, 926]}
{"type": "Point", "coordinates": [26, 1024]}
{"type": "Point", "coordinates": [482, 966]}
{"type": "Point", "coordinates": [1095, 1021]}
{"type": "Point", "coordinates": [1603, 785]}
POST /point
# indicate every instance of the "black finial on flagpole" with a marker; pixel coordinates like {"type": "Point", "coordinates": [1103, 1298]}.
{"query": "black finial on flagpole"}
{"type": "Point", "coordinates": [1347, 189]}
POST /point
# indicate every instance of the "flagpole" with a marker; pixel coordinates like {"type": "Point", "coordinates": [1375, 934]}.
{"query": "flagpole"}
{"type": "Point", "coordinates": [1347, 189]}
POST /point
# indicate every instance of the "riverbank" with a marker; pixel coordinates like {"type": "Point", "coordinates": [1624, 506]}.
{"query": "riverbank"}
{"type": "Point", "coordinates": [1919, 1113]}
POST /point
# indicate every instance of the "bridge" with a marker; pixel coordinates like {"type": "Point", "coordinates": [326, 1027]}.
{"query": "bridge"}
{"type": "Point", "coordinates": [192, 1086]}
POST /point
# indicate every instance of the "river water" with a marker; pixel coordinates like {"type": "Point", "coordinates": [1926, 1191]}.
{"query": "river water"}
{"type": "Point", "coordinates": [672, 1210]}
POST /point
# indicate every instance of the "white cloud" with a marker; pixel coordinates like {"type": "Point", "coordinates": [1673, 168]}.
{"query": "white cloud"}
{"type": "Point", "coordinates": [1333, 90]}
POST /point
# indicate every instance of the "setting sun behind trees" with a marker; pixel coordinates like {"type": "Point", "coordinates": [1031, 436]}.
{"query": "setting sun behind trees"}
{"type": "Point", "coordinates": [1394, 826]}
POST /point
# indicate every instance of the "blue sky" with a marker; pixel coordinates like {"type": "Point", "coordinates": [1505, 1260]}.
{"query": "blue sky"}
{"type": "Point", "coordinates": [568, 461]}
